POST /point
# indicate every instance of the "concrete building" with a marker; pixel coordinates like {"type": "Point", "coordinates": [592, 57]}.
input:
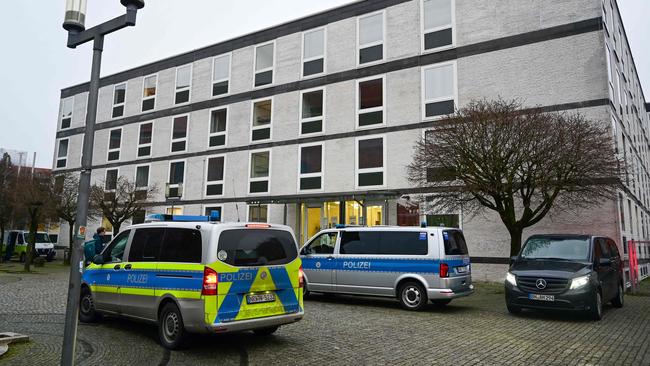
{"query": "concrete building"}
{"type": "Point", "coordinates": [312, 122]}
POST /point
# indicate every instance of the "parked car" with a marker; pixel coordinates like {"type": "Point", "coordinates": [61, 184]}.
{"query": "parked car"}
{"type": "Point", "coordinates": [566, 272]}
{"type": "Point", "coordinates": [415, 265]}
{"type": "Point", "coordinates": [16, 245]}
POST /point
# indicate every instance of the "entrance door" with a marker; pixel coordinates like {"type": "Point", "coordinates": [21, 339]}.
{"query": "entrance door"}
{"type": "Point", "coordinates": [311, 221]}
{"type": "Point", "coordinates": [375, 215]}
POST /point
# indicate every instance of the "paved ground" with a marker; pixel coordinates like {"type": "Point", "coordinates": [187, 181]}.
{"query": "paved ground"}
{"type": "Point", "coordinates": [338, 330]}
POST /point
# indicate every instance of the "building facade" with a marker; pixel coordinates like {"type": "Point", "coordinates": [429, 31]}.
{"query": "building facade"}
{"type": "Point", "coordinates": [312, 123]}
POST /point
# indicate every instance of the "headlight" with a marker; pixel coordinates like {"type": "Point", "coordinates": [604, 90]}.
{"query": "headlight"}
{"type": "Point", "coordinates": [579, 282]}
{"type": "Point", "coordinates": [511, 279]}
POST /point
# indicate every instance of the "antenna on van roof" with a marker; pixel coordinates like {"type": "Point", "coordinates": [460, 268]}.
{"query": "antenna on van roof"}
{"type": "Point", "coordinates": [234, 194]}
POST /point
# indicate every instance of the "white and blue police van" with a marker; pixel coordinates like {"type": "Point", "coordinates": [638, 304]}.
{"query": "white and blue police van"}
{"type": "Point", "coordinates": [413, 264]}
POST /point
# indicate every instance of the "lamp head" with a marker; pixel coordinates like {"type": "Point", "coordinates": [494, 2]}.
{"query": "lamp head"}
{"type": "Point", "coordinates": [75, 16]}
{"type": "Point", "coordinates": [133, 4]}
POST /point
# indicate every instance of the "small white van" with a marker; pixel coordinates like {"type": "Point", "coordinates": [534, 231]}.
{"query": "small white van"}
{"type": "Point", "coordinates": [16, 245]}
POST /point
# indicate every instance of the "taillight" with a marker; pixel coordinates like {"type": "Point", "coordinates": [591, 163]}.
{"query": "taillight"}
{"type": "Point", "coordinates": [444, 270]}
{"type": "Point", "coordinates": [301, 278]}
{"type": "Point", "coordinates": [210, 282]}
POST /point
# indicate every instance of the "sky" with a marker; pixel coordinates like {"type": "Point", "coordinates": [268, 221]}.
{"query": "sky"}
{"type": "Point", "coordinates": [35, 63]}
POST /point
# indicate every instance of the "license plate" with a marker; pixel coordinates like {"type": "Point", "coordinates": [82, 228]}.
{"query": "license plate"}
{"type": "Point", "coordinates": [463, 269]}
{"type": "Point", "coordinates": [541, 297]}
{"type": "Point", "coordinates": [260, 298]}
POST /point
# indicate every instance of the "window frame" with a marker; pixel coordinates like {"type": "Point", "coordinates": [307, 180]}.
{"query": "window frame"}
{"type": "Point", "coordinates": [358, 171]}
{"type": "Point", "coordinates": [424, 31]}
{"type": "Point", "coordinates": [229, 79]}
{"type": "Point", "coordinates": [248, 212]}
{"type": "Point", "coordinates": [262, 179]}
{"type": "Point", "coordinates": [118, 149]}
{"type": "Point", "coordinates": [135, 180]}
{"type": "Point", "coordinates": [222, 133]}
{"type": "Point", "coordinates": [320, 175]}
{"type": "Point", "coordinates": [117, 177]}
{"type": "Point", "coordinates": [123, 104]}
{"type": "Point", "coordinates": [184, 139]}
{"type": "Point", "coordinates": [252, 120]}
{"type": "Point", "coordinates": [169, 172]}
{"type": "Point", "coordinates": [373, 44]}
{"type": "Point", "coordinates": [150, 97]}
{"type": "Point", "coordinates": [215, 182]}
{"type": "Point", "coordinates": [188, 88]}
{"type": "Point", "coordinates": [358, 109]}
{"type": "Point", "coordinates": [304, 60]}
{"type": "Point", "coordinates": [67, 153]}
{"type": "Point", "coordinates": [206, 206]}
{"type": "Point", "coordinates": [423, 88]}
{"type": "Point", "coordinates": [312, 119]}
{"type": "Point", "coordinates": [61, 118]}
{"type": "Point", "coordinates": [272, 68]}
{"type": "Point", "coordinates": [149, 145]}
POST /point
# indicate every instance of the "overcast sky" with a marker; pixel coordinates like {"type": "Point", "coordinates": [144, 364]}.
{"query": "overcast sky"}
{"type": "Point", "coordinates": [35, 64]}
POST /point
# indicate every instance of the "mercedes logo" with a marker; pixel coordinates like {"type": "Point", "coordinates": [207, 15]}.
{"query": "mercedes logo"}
{"type": "Point", "coordinates": [263, 275]}
{"type": "Point", "coordinates": [541, 284]}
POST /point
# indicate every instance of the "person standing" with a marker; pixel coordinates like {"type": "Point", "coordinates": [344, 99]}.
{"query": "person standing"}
{"type": "Point", "coordinates": [95, 246]}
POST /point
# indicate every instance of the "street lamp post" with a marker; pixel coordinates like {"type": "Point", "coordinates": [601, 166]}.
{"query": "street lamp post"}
{"type": "Point", "coordinates": [74, 23]}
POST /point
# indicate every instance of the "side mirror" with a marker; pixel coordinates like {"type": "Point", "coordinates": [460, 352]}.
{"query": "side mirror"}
{"type": "Point", "coordinates": [605, 262]}
{"type": "Point", "coordinates": [98, 259]}
{"type": "Point", "coordinates": [513, 259]}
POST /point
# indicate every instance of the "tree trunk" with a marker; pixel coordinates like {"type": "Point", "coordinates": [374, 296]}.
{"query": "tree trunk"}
{"type": "Point", "coordinates": [2, 242]}
{"type": "Point", "coordinates": [515, 240]}
{"type": "Point", "coordinates": [68, 252]}
{"type": "Point", "coordinates": [31, 244]}
{"type": "Point", "coordinates": [116, 228]}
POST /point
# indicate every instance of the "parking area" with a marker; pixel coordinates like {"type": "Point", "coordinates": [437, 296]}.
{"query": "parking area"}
{"type": "Point", "coordinates": [339, 330]}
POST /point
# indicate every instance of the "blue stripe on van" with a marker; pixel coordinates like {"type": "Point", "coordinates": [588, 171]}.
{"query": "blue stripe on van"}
{"type": "Point", "coordinates": [181, 280]}
{"type": "Point", "coordinates": [284, 290]}
{"type": "Point", "coordinates": [369, 264]}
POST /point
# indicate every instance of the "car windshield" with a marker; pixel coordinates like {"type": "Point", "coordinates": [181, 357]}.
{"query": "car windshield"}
{"type": "Point", "coordinates": [40, 238]}
{"type": "Point", "coordinates": [557, 248]}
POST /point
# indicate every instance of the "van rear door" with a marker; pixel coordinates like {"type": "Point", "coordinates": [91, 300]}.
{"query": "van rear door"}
{"type": "Point", "coordinates": [258, 274]}
{"type": "Point", "coordinates": [456, 256]}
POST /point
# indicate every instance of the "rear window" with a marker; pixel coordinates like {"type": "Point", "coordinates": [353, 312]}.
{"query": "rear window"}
{"type": "Point", "coordinates": [181, 246]}
{"type": "Point", "coordinates": [384, 242]}
{"type": "Point", "coordinates": [454, 242]}
{"type": "Point", "coordinates": [256, 247]}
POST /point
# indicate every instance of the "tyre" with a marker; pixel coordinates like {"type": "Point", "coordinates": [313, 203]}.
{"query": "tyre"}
{"type": "Point", "coordinates": [596, 312]}
{"type": "Point", "coordinates": [23, 257]}
{"type": "Point", "coordinates": [305, 291]}
{"type": "Point", "coordinates": [171, 329]}
{"type": "Point", "coordinates": [412, 296]}
{"type": "Point", "coordinates": [265, 331]}
{"type": "Point", "coordinates": [440, 302]}
{"type": "Point", "coordinates": [619, 300]}
{"type": "Point", "coordinates": [512, 309]}
{"type": "Point", "coordinates": [87, 312]}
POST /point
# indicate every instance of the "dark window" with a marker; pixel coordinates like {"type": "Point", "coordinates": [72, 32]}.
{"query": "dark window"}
{"type": "Point", "coordinates": [142, 177]}
{"type": "Point", "coordinates": [217, 125]}
{"type": "Point", "coordinates": [311, 159]}
{"type": "Point", "coordinates": [371, 153]}
{"type": "Point", "coordinates": [215, 176]}
{"type": "Point", "coordinates": [139, 217]}
{"type": "Point", "coordinates": [111, 180]}
{"type": "Point", "coordinates": [454, 242]}
{"type": "Point", "coordinates": [176, 172]}
{"type": "Point", "coordinates": [370, 54]}
{"type": "Point", "coordinates": [314, 67]}
{"type": "Point", "coordinates": [602, 250]}
{"type": "Point", "coordinates": [360, 242]}
{"type": "Point", "coordinates": [312, 104]}
{"type": "Point", "coordinates": [148, 104]}
{"type": "Point", "coordinates": [256, 247]}
{"type": "Point", "coordinates": [145, 133]}
{"type": "Point", "coordinates": [208, 211]}
{"type": "Point", "coordinates": [323, 244]}
{"type": "Point", "coordinates": [181, 246]}
{"type": "Point", "coordinates": [371, 94]}
{"type": "Point", "coordinates": [115, 250]}
{"type": "Point", "coordinates": [146, 244]}
{"type": "Point", "coordinates": [613, 249]}
{"type": "Point", "coordinates": [404, 243]}
{"type": "Point", "coordinates": [438, 39]}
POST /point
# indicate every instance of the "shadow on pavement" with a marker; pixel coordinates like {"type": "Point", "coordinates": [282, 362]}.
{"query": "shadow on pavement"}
{"type": "Point", "coordinates": [383, 302]}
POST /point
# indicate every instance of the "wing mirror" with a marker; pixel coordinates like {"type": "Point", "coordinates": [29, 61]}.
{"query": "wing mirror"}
{"type": "Point", "coordinates": [98, 259]}
{"type": "Point", "coordinates": [513, 259]}
{"type": "Point", "coordinates": [605, 262]}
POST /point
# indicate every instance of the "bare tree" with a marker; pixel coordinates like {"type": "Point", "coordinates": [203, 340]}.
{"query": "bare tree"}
{"type": "Point", "coordinates": [66, 187]}
{"type": "Point", "coordinates": [6, 201]}
{"type": "Point", "coordinates": [519, 163]}
{"type": "Point", "coordinates": [119, 201]}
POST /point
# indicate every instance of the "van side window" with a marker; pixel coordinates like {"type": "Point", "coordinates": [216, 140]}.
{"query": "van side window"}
{"type": "Point", "coordinates": [602, 251]}
{"type": "Point", "coordinates": [360, 242]}
{"type": "Point", "coordinates": [454, 242]}
{"type": "Point", "coordinates": [181, 246]}
{"type": "Point", "coordinates": [323, 244]}
{"type": "Point", "coordinates": [613, 249]}
{"type": "Point", "coordinates": [146, 244]}
{"type": "Point", "coordinates": [20, 240]}
{"type": "Point", "coordinates": [404, 243]}
{"type": "Point", "coordinates": [115, 251]}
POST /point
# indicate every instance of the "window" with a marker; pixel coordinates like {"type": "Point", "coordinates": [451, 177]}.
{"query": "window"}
{"type": "Point", "coordinates": [370, 102]}
{"type": "Point", "coordinates": [179, 134]}
{"type": "Point", "coordinates": [437, 24]}
{"type": "Point", "coordinates": [149, 87]}
{"type": "Point", "coordinates": [146, 245]}
{"type": "Point", "coordinates": [609, 72]}
{"type": "Point", "coordinates": [218, 126]}
{"type": "Point", "coordinates": [221, 75]}
{"type": "Point", "coordinates": [176, 178]}
{"type": "Point", "coordinates": [215, 173]}
{"type": "Point", "coordinates": [115, 250]}
{"type": "Point", "coordinates": [181, 246]}
{"type": "Point", "coordinates": [258, 213]}
{"type": "Point", "coordinates": [455, 242]}
{"type": "Point", "coordinates": [119, 97]}
{"type": "Point", "coordinates": [67, 107]}
{"type": "Point", "coordinates": [139, 217]}
{"type": "Point", "coordinates": [110, 183]}
{"type": "Point", "coordinates": [323, 244]}
{"type": "Point", "coordinates": [62, 154]}
{"type": "Point", "coordinates": [262, 119]}
{"type": "Point", "coordinates": [260, 163]}
{"type": "Point", "coordinates": [256, 247]}
{"type": "Point", "coordinates": [312, 110]}
{"type": "Point", "coordinates": [388, 243]}
{"type": "Point", "coordinates": [370, 162]}
{"type": "Point", "coordinates": [439, 90]}
{"type": "Point", "coordinates": [114, 144]}
{"type": "Point", "coordinates": [313, 52]}
{"type": "Point", "coordinates": [142, 177]}
{"type": "Point", "coordinates": [208, 211]}
{"type": "Point", "coordinates": [371, 38]}
{"type": "Point", "coordinates": [311, 167]}
{"type": "Point", "coordinates": [264, 63]}
{"type": "Point", "coordinates": [183, 84]}
{"type": "Point", "coordinates": [145, 138]}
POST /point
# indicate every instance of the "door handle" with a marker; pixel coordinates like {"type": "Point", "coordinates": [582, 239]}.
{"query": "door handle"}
{"type": "Point", "coordinates": [128, 266]}
{"type": "Point", "coordinates": [117, 267]}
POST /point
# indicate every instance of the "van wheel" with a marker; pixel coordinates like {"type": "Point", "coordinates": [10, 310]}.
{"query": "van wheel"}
{"type": "Point", "coordinates": [596, 312]}
{"type": "Point", "coordinates": [87, 312]}
{"type": "Point", "coordinates": [171, 329]}
{"type": "Point", "coordinates": [412, 296]}
{"type": "Point", "coordinates": [265, 331]}
{"type": "Point", "coordinates": [23, 257]}
{"type": "Point", "coordinates": [619, 300]}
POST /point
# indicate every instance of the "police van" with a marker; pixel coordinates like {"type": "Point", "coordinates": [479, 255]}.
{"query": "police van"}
{"type": "Point", "coordinates": [413, 264]}
{"type": "Point", "coordinates": [194, 275]}
{"type": "Point", "coordinates": [17, 241]}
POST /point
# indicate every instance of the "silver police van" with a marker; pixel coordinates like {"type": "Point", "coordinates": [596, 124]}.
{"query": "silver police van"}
{"type": "Point", "coordinates": [413, 264]}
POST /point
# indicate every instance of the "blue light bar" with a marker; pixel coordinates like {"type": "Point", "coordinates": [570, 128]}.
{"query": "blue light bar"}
{"type": "Point", "coordinates": [214, 216]}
